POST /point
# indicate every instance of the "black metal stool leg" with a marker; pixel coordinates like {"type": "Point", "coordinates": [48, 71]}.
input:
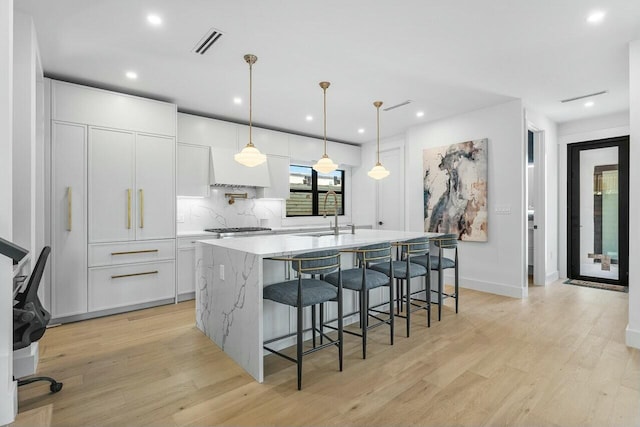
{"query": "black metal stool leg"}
{"type": "Point", "coordinates": [321, 323]}
{"type": "Point", "coordinates": [299, 347]}
{"type": "Point", "coordinates": [313, 324]}
{"type": "Point", "coordinates": [408, 309]}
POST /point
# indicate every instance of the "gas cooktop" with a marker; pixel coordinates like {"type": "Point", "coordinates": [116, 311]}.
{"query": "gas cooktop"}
{"type": "Point", "coordinates": [236, 229]}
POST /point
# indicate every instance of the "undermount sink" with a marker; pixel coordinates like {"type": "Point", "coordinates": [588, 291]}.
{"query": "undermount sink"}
{"type": "Point", "coordinates": [323, 233]}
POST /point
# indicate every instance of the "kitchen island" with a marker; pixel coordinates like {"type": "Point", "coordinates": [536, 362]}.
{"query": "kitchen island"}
{"type": "Point", "coordinates": [230, 275]}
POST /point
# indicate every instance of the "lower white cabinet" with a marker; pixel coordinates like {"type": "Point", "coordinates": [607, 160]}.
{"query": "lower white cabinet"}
{"type": "Point", "coordinates": [105, 254]}
{"type": "Point", "coordinates": [187, 266]}
{"type": "Point", "coordinates": [125, 285]}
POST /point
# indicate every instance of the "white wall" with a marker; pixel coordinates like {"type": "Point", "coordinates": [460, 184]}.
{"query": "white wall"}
{"type": "Point", "coordinates": [546, 209]}
{"type": "Point", "coordinates": [498, 265]}
{"type": "Point", "coordinates": [590, 129]}
{"type": "Point", "coordinates": [8, 396]}
{"type": "Point", "coordinates": [633, 328]}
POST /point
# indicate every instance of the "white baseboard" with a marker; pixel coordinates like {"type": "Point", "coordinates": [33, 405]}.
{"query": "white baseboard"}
{"type": "Point", "coordinates": [490, 287]}
{"type": "Point", "coordinates": [552, 277]}
{"type": "Point", "coordinates": [633, 337]}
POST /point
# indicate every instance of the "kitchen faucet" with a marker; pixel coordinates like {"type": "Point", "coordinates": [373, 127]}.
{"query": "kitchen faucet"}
{"type": "Point", "coordinates": [335, 210]}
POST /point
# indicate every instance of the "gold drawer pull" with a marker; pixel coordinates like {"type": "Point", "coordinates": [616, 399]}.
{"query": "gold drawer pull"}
{"type": "Point", "coordinates": [69, 209]}
{"type": "Point", "coordinates": [146, 251]}
{"type": "Point", "coordinates": [120, 276]}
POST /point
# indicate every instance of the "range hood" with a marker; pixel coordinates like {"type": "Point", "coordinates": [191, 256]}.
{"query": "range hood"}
{"type": "Point", "coordinates": [226, 171]}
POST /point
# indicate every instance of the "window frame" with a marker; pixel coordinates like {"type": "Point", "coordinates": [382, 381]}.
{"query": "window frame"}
{"type": "Point", "coordinates": [315, 193]}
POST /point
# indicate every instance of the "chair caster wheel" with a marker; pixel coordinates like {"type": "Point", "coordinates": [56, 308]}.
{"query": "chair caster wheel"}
{"type": "Point", "coordinates": [55, 387]}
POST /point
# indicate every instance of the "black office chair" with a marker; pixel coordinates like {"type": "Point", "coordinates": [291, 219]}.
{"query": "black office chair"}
{"type": "Point", "coordinates": [30, 319]}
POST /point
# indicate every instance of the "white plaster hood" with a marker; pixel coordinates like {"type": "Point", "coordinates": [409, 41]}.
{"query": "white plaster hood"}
{"type": "Point", "coordinates": [226, 171]}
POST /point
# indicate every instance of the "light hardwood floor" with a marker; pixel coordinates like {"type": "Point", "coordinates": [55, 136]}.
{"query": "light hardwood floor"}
{"type": "Point", "coordinates": [557, 358]}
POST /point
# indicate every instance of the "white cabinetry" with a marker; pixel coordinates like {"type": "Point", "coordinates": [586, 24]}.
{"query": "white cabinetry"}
{"type": "Point", "coordinates": [187, 266]}
{"type": "Point", "coordinates": [279, 177]}
{"type": "Point", "coordinates": [267, 141]}
{"type": "Point", "coordinates": [112, 201]}
{"type": "Point", "coordinates": [193, 170]}
{"type": "Point", "coordinates": [204, 131]}
{"type": "Point", "coordinates": [68, 219]}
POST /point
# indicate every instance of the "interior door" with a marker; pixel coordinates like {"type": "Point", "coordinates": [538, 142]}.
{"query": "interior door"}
{"type": "Point", "coordinates": [155, 195]}
{"type": "Point", "coordinates": [598, 191]}
{"type": "Point", "coordinates": [112, 203]}
{"type": "Point", "coordinates": [390, 212]}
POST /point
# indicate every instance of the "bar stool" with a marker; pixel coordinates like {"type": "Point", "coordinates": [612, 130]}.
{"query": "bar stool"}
{"type": "Point", "coordinates": [362, 280]}
{"type": "Point", "coordinates": [308, 292]}
{"type": "Point", "coordinates": [440, 263]}
{"type": "Point", "coordinates": [404, 271]}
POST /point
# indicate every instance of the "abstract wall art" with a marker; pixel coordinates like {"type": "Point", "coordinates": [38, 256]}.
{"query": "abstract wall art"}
{"type": "Point", "coordinates": [455, 189]}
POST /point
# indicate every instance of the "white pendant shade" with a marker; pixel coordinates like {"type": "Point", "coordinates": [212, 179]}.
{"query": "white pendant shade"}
{"type": "Point", "coordinates": [378, 172]}
{"type": "Point", "coordinates": [250, 156]}
{"type": "Point", "coordinates": [325, 165]}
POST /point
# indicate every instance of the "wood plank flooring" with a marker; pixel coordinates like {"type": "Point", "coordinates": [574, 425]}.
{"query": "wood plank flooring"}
{"type": "Point", "coordinates": [557, 358]}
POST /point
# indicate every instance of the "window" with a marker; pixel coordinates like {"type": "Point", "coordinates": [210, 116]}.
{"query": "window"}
{"type": "Point", "coordinates": [309, 188]}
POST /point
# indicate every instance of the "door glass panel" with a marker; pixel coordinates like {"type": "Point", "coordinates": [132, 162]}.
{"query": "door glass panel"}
{"type": "Point", "coordinates": [599, 198]}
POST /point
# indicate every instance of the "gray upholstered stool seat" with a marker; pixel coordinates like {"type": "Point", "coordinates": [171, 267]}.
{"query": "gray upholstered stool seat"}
{"type": "Point", "coordinates": [315, 292]}
{"type": "Point", "coordinates": [352, 279]}
{"type": "Point", "coordinates": [422, 260]}
{"type": "Point", "coordinates": [400, 269]}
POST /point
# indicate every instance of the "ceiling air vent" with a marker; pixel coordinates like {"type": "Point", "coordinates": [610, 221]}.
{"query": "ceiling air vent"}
{"type": "Point", "coordinates": [402, 104]}
{"type": "Point", "coordinates": [207, 41]}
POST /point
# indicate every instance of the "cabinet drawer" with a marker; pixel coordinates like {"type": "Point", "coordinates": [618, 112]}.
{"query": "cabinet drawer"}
{"type": "Point", "coordinates": [104, 254]}
{"type": "Point", "coordinates": [111, 287]}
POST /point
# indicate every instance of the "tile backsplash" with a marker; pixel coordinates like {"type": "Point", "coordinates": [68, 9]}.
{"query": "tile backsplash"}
{"type": "Point", "coordinates": [216, 212]}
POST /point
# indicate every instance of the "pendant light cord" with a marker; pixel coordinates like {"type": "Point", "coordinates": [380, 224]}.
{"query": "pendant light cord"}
{"type": "Point", "coordinates": [378, 132]}
{"type": "Point", "coordinates": [324, 90]}
{"type": "Point", "coordinates": [250, 100]}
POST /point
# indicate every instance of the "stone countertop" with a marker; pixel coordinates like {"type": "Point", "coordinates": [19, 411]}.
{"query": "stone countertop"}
{"type": "Point", "coordinates": [278, 230]}
{"type": "Point", "coordinates": [281, 244]}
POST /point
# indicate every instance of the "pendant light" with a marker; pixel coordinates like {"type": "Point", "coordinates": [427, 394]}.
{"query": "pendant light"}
{"type": "Point", "coordinates": [325, 164]}
{"type": "Point", "coordinates": [378, 171]}
{"type": "Point", "coordinates": [250, 156]}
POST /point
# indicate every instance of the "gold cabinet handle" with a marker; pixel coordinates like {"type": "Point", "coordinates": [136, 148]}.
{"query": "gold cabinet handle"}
{"type": "Point", "coordinates": [120, 276]}
{"type": "Point", "coordinates": [128, 208]}
{"type": "Point", "coordinates": [146, 251]}
{"type": "Point", "coordinates": [69, 208]}
{"type": "Point", "coordinates": [141, 208]}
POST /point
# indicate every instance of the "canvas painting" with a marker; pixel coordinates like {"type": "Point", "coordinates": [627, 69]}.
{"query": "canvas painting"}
{"type": "Point", "coordinates": [455, 190]}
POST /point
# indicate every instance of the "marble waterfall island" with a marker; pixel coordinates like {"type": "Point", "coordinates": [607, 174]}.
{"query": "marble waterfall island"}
{"type": "Point", "coordinates": [231, 274]}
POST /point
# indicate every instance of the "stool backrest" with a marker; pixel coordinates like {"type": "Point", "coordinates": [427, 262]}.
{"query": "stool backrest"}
{"type": "Point", "coordinates": [446, 241]}
{"type": "Point", "coordinates": [374, 253]}
{"type": "Point", "coordinates": [320, 262]}
{"type": "Point", "coordinates": [415, 247]}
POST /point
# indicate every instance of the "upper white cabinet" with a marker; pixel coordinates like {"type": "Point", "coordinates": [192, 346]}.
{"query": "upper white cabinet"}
{"type": "Point", "coordinates": [279, 177]}
{"type": "Point", "coordinates": [267, 141]}
{"type": "Point", "coordinates": [193, 170]}
{"type": "Point", "coordinates": [131, 180]}
{"type": "Point", "coordinates": [204, 131]}
{"type": "Point", "coordinates": [97, 107]}
{"type": "Point", "coordinates": [344, 154]}
{"type": "Point", "coordinates": [305, 149]}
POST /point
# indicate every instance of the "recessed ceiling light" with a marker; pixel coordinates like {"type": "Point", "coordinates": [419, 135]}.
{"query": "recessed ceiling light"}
{"type": "Point", "coordinates": [154, 20]}
{"type": "Point", "coordinates": [309, 118]}
{"type": "Point", "coordinates": [420, 114]}
{"type": "Point", "coordinates": [596, 17]}
{"type": "Point", "coordinates": [361, 130]}
{"type": "Point", "coordinates": [131, 75]}
{"type": "Point", "coordinates": [237, 100]}
{"type": "Point", "coordinates": [589, 104]}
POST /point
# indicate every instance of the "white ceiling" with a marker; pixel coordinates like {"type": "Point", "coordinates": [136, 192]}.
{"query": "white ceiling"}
{"type": "Point", "coordinates": [447, 56]}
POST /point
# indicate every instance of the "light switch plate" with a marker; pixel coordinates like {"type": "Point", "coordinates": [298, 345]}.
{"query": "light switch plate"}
{"type": "Point", "coordinates": [221, 271]}
{"type": "Point", "coordinates": [503, 210]}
